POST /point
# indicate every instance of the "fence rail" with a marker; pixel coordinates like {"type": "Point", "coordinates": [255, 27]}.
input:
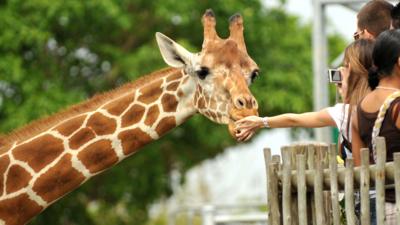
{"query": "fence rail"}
{"type": "Point", "coordinates": [304, 188]}
{"type": "Point", "coordinates": [220, 214]}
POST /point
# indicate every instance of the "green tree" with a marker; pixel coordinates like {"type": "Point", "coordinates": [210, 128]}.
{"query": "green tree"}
{"type": "Point", "coordinates": [57, 53]}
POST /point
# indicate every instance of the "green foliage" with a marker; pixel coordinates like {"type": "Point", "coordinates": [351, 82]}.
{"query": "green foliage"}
{"type": "Point", "coordinates": [57, 53]}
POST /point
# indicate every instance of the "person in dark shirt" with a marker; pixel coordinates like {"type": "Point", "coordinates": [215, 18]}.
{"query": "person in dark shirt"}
{"type": "Point", "coordinates": [384, 81]}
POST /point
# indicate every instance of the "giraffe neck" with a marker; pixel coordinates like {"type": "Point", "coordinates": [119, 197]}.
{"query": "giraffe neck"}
{"type": "Point", "coordinates": [37, 171]}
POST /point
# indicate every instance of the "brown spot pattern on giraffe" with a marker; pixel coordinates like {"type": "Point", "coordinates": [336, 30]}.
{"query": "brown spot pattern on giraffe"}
{"type": "Point", "coordinates": [199, 89]}
{"type": "Point", "coordinates": [201, 103]}
{"type": "Point", "coordinates": [98, 156]}
{"type": "Point", "coordinates": [165, 125]}
{"type": "Point", "coordinates": [133, 115]}
{"type": "Point", "coordinates": [58, 180]}
{"type": "Point", "coordinates": [133, 139]}
{"type": "Point", "coordinates": [213, 104]}
{"type": "Point", "coordinates": [81, 137]}
{"type": "Point", "coordinates": [213, 115]}
{"type": "Point", "coordinates": [18, 210]}
{"type": "Point", "coordinates": [169, 103]}
{"type": "Point", "coordinates": [17, 178]}
{"type": "Point", "coordinates": [4, 162]}
{"type": "Point", "coordinates": [71, 125]}
{"type": "Point", "coordinates": [207, 113]}
{"type": "Point", "coordinates": [118, 106]}
{"type": "Point", "coordinates": [185, 80]}
{"type": "Point", "coordinates": [151, 92]}
{"type": "Point", "coordinates": [39, 152]}
{"type": "Point", "coordinates": [152, 115]}
{"type": "Point", "coordinates": [173, 86]}
{"type": "Point", "coordinates": [175, 76]}
{"type": "Point", "coordinates": [196, 96]}
{"type": "Point", "coordinates": [101, 124]}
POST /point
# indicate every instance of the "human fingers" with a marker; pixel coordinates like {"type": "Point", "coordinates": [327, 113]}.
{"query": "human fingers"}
{"type": "Point", "coordinates": [242, 135]}
{"type": "Point", "coordinates": [249, 136]}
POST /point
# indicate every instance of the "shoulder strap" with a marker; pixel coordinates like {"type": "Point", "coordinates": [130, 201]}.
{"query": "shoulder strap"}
{"type": "Point", "coordinates": [346, 143]}
{"type": "Point", "coordinates": [396, 111]}
{"type": "Point", "coordinates": [379, 120]}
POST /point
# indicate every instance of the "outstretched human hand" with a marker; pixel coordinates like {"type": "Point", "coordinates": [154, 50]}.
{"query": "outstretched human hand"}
{"type": "Point", "coordinates": [246, 127]}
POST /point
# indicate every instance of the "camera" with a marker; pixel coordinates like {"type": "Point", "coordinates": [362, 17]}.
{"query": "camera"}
{"type": "Point", "coordinates": [335, 76]}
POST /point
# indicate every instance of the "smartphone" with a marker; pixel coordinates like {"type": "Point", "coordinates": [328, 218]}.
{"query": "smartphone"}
{"type": "Point", "coordinates": [335, 76]}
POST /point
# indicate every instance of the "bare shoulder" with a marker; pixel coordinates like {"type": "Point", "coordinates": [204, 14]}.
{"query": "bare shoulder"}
{"type": "Point", "coordinates": [372, 102]}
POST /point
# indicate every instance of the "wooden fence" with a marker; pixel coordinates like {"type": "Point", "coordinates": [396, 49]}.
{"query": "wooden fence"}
{"type": "Point", "coordinates": [305, 187]}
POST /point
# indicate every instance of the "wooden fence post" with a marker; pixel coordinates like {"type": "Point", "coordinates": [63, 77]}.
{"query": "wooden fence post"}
{"type": "Point", "coordinates": [294, 150]}
{"type": "Point", "coordinates": [324, 154]}
{"type": "Point", "coordinates": [319, 201]}
{"type": "Point", "coordinates": [364, 187]}
{"type": "Point", "coordinates": [396, 169]}
{"type": "Point", "coordinates": [286, 186]}
{"type": "Point", "coordinates": [310, 197]}
{"type": "Point", "coordinates": [380, 180]}
{"type": "Point", "coordinates": [349, 192]}
{"type": "Point", "coordinates": [301, 189]}
{"type": "Point", "coordinates": [267, 159]}
{"type": "Point", "coordinates": [273, 213]}
{"type": "Point", "coordinates": [334, 185]}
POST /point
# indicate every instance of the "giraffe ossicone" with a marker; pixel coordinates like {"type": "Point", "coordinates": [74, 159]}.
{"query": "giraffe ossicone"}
{"type": "Point", "coordinates": [45, 160]}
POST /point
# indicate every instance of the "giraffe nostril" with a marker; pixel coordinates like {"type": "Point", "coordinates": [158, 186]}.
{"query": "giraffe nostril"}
{"type": "Point", "coordinates": [248, 102]}
{"type": "Point", "coordinates": [254, 103]}
{"type": "Point", "coordinates": [240, 102]}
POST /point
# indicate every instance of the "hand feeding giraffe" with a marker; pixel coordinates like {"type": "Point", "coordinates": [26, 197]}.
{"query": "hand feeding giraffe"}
{"type": "Point", "coordinates": [47, 159]}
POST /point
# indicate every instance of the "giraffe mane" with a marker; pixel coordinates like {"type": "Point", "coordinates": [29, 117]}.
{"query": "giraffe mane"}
{"type": "Point", "coordinates": [41, 125]}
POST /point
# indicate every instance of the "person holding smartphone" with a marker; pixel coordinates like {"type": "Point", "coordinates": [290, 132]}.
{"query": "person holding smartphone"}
{"type": "Point", "coordinates": [352, 88]}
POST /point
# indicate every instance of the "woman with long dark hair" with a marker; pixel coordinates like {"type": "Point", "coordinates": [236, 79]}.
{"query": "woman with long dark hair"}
{"type": "Point", "coordinates": [378, 113]}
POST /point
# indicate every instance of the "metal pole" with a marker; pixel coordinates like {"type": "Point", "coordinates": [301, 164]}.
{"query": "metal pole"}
{"type": "Point", "coordinates": [320, 84]}
{"type": "Point", "coordinates": [207, 215]}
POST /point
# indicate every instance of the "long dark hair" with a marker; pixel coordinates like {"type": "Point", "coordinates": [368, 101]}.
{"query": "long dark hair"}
{"type": "Point", "coordinates": [385, 55]}
{"type": "Point", "coordinates": [359, 56]}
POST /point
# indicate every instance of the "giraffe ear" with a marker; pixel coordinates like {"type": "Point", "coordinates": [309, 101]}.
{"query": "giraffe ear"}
{"type": "Point", "coordinates": [172, 53]}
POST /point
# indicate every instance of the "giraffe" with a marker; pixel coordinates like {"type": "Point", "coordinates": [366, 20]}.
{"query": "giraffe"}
{"type": "Point", "coordinates": [47, 159]}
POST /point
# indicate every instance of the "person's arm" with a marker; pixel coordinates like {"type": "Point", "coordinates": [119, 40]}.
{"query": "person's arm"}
{"type": "Point", "coordinates": [309, 119]}
{"type": "Point", "coordinates": [247, 126]}
{"type": "Point", "coordinates": [356, 142]}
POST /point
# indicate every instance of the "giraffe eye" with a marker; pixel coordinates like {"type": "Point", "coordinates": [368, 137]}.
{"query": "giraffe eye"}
{"type": "Point", "coordinates": [203, 72]}
{"type": "Point", "coordinates": [254, 75]}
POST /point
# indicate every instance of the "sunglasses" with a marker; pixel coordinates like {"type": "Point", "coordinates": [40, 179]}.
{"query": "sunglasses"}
{"type": "Point", "coordinates": [356, 34]}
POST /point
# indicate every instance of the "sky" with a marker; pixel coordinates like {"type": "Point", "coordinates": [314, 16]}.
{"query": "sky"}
{"type": "Point", "coordinates": [340, 19]}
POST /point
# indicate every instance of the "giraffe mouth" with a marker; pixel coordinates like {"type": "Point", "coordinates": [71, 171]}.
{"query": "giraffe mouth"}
{"type": "Point", "coordinates": [235, 116]}
{"type": "Point", "coordinates": [232, 128]}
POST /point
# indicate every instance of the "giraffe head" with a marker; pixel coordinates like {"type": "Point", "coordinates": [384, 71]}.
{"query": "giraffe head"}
{"type": "Point", "coordinates": [221, 72]}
